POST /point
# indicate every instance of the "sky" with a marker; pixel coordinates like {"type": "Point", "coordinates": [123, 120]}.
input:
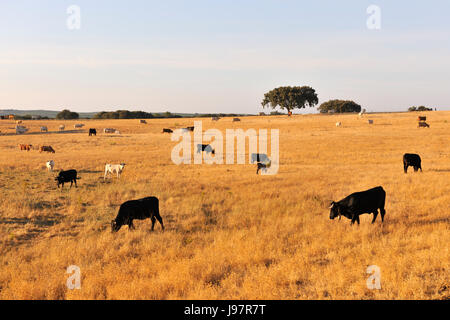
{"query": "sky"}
{"type": "Point", "coordinates": [222, 55]}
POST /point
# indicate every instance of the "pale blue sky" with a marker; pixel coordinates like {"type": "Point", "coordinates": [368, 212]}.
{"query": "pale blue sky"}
{"type": "Point", "coordinates": [221, 56]}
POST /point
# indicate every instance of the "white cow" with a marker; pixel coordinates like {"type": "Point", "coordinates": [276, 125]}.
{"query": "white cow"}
{"type": "Point", "coordinates": [111, 168]}
{"type": "Point", "coordinates": [50, 165]}
{"type": "Point", "coordinates": [338, 124]}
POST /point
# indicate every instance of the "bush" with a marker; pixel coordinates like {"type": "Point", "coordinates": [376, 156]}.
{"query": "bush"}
{"type": "Point", "coordinates": [67, 115]}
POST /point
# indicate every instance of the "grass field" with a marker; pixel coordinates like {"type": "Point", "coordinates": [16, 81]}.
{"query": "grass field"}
{"type": "Point", "coordinates": [230, 234]}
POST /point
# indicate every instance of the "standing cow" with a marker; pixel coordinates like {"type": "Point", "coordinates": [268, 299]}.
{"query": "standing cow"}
{"type": "Point", "coordinates": [92, 132]}
{"type": "Point", "coordinates": [358, 203]}
{"type": "Point", "coordinates": [412, 160]}
{"type": "Point", "coordinates": [137, 209]}
{"type": "Point", "coordinates": [67, 176]}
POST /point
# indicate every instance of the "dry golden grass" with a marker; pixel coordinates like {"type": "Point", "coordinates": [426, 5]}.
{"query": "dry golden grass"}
{"type": "Point", "coordinates": [230, 234]}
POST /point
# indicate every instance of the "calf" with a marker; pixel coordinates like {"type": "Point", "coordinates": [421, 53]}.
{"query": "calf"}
{"type": "Point", "coordinates": [137, 209]}
{"type": "Point", "coordinates": [67, 176]}
{"type": "Point", "coordinates": [167, 130]}
{"type": "Point", "coordinates": [205, 147]}
{"type": "Point", "coordinates": [92, 132]}
{"type": "Point", "coordinates": [358, 203]}
{"type": "Point", "coordinates": [338, 124]}
{"type": "Point", "coordinates": [262, 166]}
{"type": "Point", "coordinates": [46, 149]}
{"type": "Point", "coordinates": [50, 165]}
{"type": "Point", "coordinates": [259, 157]}
{"type": "Point", "coordinates": [412, 160]}
{"type": "Point", "coordinates": [111, 168]}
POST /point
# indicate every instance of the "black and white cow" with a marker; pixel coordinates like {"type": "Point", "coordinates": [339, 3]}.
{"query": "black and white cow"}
{"type": "Point", "coordinates": [412, 160]}
{"type": "Point", "coordinates": [137, 209]}
{"type": "Point", "coordinates": [358, 203]}
{"type": "Point", "coordinates": [205, 147]}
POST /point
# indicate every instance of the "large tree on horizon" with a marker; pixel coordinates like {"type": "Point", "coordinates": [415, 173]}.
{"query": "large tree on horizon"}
{"type": "Point", "coordinates": [67, 115]}
{"type": "Point", "coordinates": [289, 98]}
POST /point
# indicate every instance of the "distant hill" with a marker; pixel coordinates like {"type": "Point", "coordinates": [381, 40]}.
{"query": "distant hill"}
{"type": "Point", "coordinates": [42, 113]}
{"type": "Point", "coordinates": [89, 115]}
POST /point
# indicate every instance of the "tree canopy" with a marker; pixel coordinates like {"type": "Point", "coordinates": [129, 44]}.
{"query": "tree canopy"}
{"type": "Point", "coordinates": [421, 108]}
{"type": "Point", "coordinates": [290, 98]}
{"type": "Point", "coordinates": [67, 115]}
{"type": "Point", "coordinates": [339, 106]}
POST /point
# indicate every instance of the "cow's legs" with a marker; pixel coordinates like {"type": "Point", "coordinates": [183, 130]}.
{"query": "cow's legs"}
{"type": "Point", "coordinates": [158, 217]}
{"type": "Point", "coordinates": [75, 181]}
{"type": "Point", "coordinates": [375, 214]}
{"type": "Point", "coordinates": [405, 167]}
{"type": "Point", "coordinates": [130, 225]}
{"type": "Point", "coordinates": [353, 219]}
{"type": "Point", "coordinates": [382, 212]}
{"type": "Point", "coordinates": [416, 168]}
{"type": "Point", "coordinates": [153, 222]}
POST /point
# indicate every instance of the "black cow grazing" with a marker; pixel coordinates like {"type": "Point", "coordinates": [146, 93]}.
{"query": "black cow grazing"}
{"type": "Point", "coordinates": [92, 132]}
{"type": "Point", "coordinates": [67, 176]}
{"type": "Point", "coordinates": [137, 209]}
{"type": "Point", "coordinates": [259, 157]}
{"type": "Point", "coordinates": [190, 128]}
{"type": "Point", "coordinates": [205, 147]}
{"type": "Point", "coordinates": [359, 203]}
{"type": "Point", "coordinates": [167, 130]}
{"type": "Point", "coordinates": [412, 160]}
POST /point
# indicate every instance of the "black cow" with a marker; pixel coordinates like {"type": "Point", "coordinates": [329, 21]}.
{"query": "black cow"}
{"type": "Point", "coordinates": [259, 157]}
{"type": "Point", "coordinates": [262, 166]}
{"type": "Point", "coordinates": [137, 209]}
{"type": "Point", "coordinates": [67, 176]}
{"type": "Point", "coordinates": [412, 160]}
{"type": "Point", "coordinates": [92, 132]}
{"type": "Point", "coordinates": [358, 203]}
{"type": "Point", "coordinates": [205, 147]}
{"type": "Point", "coordinates": [167, 130]}
{"type": "Point", "coordinates": [190, 128]}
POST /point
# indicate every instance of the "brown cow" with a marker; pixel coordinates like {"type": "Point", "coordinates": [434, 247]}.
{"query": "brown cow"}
{"type": "Point", "coordinates": [46, 149]}
{"type": "Point", "coordinates": [26, 147]}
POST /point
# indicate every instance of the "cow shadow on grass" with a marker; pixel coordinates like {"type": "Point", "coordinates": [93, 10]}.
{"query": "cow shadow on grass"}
{"type": "Point", "coordinates": [440, 170]}
{"type": "Point", "coordinates": [38, 221]}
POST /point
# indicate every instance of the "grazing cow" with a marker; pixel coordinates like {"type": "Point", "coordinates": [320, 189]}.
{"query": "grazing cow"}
{"type": "Point", "coordinates": [190, 128]}
{"type": "Point", "coordinates": [370, 121]}
{"type": "Point", "coordinates": [142, 121]}
{"type": "Point", "coordinates": [67, 176]}
{"type": "Point", "coordinates": [422, 118]}
{"type": "Point", "coordinates": [44, 129]}
{"type": "Point", "coordinates": [111, 168]}
{"type": "Point", "coordinates": [338, 124]}
{"type": "Point", "coordinates": [92, 132]}
{"type": "Point", "coordinates": [62, 127]}
{"type": "Point", "coordinates": [259, 157]}
{"type": "Point", "coordinates": [50, 165]}
{"type": "Point", "coordinates": [423, 124]}
{"type": "Point", "coordinates": [78, 125]}
{"type": "Point", "coordinates": [358, 203]}
{"type": "Point", "coordinates": [137, 209]}
{"type": "Point", "coordinates": [205, 147]}
{"type": "Point", "coordinates": [109, 130]}
{"type": "Point", "coordinates": [26, 147]}
{"type": "Point", "coordinates": [21, 130]}
{"type": "Point", "coordinates": [412, 160]}
{"type": "Point", "coordinates": [236, 119]}
{"type": "Point", "coordinates": [215, 118]}
{"type": "Point", "coordinates": [46, 149]}
{"type": "Point", "coordinates": [167, 130]}
{"type": "Point", "coordinates": [262, 166]}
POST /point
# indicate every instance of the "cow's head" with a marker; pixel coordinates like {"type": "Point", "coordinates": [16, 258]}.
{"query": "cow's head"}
{"type": "Point", "coordinates": [122, 165]}
{"type": "Point", "coordinates": [114, 226]}
{"type": "Point", "coordinates": [335, 210]}
{"type": "Point", "coordinates": [58, 180]}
